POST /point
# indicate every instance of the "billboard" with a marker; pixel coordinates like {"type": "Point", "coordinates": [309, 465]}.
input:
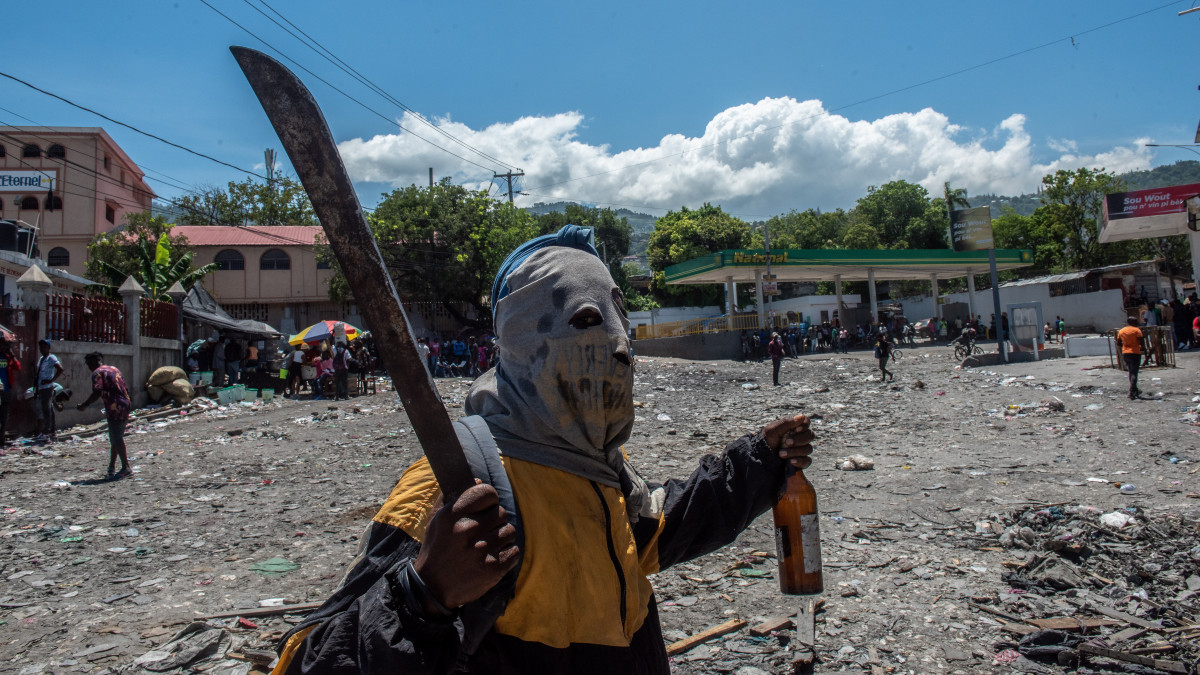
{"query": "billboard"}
{"type": "Point", "coordinates": [12, 180]}
{"type": "Point", "coordinates": [1157, 212]}
{"type": "Point", "coordinates": [971, 229]}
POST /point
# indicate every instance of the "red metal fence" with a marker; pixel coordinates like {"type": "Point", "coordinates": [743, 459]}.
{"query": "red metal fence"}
{"type": "Point", "coordinates": [85, 319]}
{"type": "Point", "coordinates": [160, 319]}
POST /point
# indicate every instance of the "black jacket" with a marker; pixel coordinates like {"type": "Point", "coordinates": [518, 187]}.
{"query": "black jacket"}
{"type": "Point", "coordinates": [583, 603]}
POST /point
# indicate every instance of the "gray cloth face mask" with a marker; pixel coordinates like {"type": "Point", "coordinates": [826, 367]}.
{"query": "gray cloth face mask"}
{"type": "Point", "coordinates": [562, 396]}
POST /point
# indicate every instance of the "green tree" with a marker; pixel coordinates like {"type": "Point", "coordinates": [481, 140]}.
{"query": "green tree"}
{"type": "Point", "coordinates": [890, 209]}
{"type": "Point", "coordinates": [613, 233]}
{"type": "Point", "coordinates": [686, 234]}
{"type": "Point", "coordinates": [278, 201]}
{"type": "Point", "coordinates": [1074, 204]}
{"type": "Point", "coordinates": [145, 249]}
{"type": "Point", "coordinates": [1011, 230]}
{"type": "Point", "coordinates": [443, 244]}
{"type": "Point", "coordinates": [860, 236]}
{"type": "Point", "coordinates": [810, 229]}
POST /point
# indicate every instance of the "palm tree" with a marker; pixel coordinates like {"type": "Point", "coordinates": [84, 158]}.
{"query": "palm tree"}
{"type": "Point", "coordinates": [155, 271]}
{"type": "Point", "coordinates": [954, 197]}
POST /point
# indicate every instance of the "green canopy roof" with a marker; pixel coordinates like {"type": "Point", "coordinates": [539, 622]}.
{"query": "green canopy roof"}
{"type": "Point", "coordinates": [852, 265]}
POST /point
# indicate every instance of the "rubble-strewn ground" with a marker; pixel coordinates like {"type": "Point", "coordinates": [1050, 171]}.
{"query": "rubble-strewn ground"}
{"type": "Point", "coordinates": [96, 575]}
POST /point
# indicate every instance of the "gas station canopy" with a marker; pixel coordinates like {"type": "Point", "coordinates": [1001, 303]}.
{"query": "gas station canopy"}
{"type": "Point", "coordinates": [747, 266]}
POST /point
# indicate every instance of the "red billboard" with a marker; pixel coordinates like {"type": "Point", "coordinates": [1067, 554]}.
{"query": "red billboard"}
{"type": "Point", "coordinates": [1157, 212]}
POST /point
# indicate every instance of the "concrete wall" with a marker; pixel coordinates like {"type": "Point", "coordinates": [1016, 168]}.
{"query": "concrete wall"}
{"type": "Point", "coordinates": [76, 376]}
{"type": "Point", "coordinates": [1083, 312]}
{"type": "Point", "coordinates": [702, 347]}
{"type": "Point", "coordinates": [809, 306]}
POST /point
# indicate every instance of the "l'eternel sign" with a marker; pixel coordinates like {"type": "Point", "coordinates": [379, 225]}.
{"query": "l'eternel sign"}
{"type": "Point", "coordinates": [24, 181]}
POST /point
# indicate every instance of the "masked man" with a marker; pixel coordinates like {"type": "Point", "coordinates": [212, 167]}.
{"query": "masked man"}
{"type": "Point", "coordinates": [573, 567]}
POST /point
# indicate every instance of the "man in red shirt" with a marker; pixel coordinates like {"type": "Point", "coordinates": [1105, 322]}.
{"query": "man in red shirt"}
{"type": "Point", "coordinates": [1129, 340]}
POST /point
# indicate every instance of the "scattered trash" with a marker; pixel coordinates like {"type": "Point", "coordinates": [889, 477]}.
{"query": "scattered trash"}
{"type": "Point", "coordinates": [274, 567]}
{"type": "Point", "coordinates": [855, 463]}
{"type": "Point", "coordinates": [1117, 519]}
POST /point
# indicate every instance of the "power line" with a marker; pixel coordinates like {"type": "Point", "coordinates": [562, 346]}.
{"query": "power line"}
{"type": "Point", "coordinates": [893, 92]}
{"type": "Point", "coordinates": [127, 126]}
{"type": "Point", "coordinates": [328, 55]}
{"type": "Point", "coordinates": [338, 90]}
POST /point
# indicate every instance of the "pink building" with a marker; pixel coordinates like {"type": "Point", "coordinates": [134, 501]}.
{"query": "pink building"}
{"type": "Point", "coordinates": [70, 183]}
{"type": "Point", "coordinates": [268, 274]}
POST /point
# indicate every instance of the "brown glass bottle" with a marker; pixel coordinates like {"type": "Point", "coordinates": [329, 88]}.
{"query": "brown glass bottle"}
{"type": "Point", "coordinates": [798, 537]}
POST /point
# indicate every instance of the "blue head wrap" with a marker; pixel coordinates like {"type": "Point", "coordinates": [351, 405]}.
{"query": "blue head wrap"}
{"type": "Point", "coordinates": [573, 236]}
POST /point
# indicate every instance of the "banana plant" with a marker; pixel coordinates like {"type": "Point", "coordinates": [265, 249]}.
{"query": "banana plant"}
{"type": "Point", "coordinates": [155, 271]}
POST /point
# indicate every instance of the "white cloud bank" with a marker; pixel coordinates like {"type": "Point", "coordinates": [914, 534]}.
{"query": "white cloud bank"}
{"type": "Point", "coordinates": [756, 159]}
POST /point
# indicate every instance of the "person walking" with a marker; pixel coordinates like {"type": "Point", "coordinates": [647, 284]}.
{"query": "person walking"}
{"type": "Point", "coordinates": [1129, 339]}
{"type": "Point", "coordinates": [775, 351]}
{"type": "Point", "coordinates": [883, 352]}
{"type": "Point", "coordinates": [107, 383]}
{"type": "Point", "coordinates": [10, 366]}
{"type": "Point", "coordinates": [49, 369]}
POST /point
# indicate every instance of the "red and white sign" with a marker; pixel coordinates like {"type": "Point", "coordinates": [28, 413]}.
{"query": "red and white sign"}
{"type": "Point", "coordinates": [1158, 212]}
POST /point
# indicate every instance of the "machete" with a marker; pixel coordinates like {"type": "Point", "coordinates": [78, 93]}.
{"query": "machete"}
{"type": "Point", "coordinates": [309, 144]}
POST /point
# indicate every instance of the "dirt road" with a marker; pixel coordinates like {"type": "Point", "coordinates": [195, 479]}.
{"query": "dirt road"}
{"type": "Point", "coordinates": [96, 575]}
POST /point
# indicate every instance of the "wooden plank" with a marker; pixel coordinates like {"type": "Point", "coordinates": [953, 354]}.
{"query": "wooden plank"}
{"type": "Point", "coordinates": [1019, 628]}
{"type": "Point", "coordinates": [771, 625]}
{"type": "Point", "coordinates": [806, 623]}
{"type": "Point", "coordinates": [1125, 634]}
{"type": "Point", "coordinates": [1071, 624]}
{"type": "Point", "coordinates": [806, 636]}
{"type": "Point", "coordinates": [266, 611]}
{"type": "Point", "coordinates": [704, 636]}
{"type": "Point", "coordinates": [1116, 614]}
{"type": "Point", "coordinates": [1168, 666]}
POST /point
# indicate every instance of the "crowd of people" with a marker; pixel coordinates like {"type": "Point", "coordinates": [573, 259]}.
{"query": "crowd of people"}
{"type": "Point", "coordinates": [226, 358]}
{"type": "Point", "coordinates": [1183, 316]}
{"type": "Point", "coordinates": [456, 357]}
{"type": "Point", "coordinates": [323, 369]}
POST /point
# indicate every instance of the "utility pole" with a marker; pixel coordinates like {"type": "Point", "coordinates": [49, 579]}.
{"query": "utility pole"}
{"type": "Point", "coordinates": [431, 176]}
{"type": "Point", "coordinates": [509, 176]}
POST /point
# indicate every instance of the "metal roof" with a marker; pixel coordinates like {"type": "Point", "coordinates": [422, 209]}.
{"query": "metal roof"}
{"type": "Point", "coordinates": [230, 235]}
{"type": "Point", "coordinates": [852, 265]}
{"type": "Point", "coordinates": [202, 307]}
{"type": "Point", "coordinates": [1071, 276]}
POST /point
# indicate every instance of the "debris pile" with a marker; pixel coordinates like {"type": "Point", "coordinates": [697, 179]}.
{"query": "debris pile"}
{"type": "Point", "coordinates": [1114, 590]}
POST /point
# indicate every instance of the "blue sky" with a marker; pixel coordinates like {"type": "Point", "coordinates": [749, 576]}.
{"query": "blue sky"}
{"type": "Point", "coordinates": [759, 107]}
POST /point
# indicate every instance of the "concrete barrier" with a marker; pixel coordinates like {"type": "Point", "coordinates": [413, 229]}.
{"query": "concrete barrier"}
{"type": "Point", "coordinates": [700, 347]}
{"type": "Point", "coordinates": [1088, 346]}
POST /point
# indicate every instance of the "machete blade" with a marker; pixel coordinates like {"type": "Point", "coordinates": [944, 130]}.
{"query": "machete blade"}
{"type": "Point", "coordinates": [309, 144]}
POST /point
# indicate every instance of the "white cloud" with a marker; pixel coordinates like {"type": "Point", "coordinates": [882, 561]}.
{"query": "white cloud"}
{"type": "Point", "coordinates": [758, 158]}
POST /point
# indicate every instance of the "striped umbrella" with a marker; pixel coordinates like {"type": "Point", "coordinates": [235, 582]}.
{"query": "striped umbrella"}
{"type": "Point", "coordinates": [320, 332]}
